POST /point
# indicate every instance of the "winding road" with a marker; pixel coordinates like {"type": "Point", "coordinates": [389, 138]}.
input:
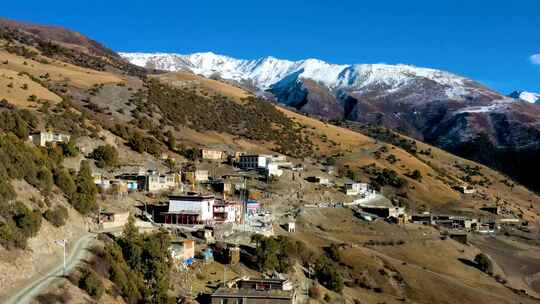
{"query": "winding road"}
{"type": "Point", "coordinates": [77, 252]}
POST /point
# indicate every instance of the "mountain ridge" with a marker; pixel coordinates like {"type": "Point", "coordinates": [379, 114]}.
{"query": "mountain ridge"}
{"type": "Point", "coordinates": [447, 110]}
{"type": "Point", "coordinates": [529, 97]}
{"type": "Point", "coordinates": [267, 71]}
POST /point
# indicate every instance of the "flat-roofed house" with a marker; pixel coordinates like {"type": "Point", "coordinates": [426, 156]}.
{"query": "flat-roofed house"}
{"type": "Point", "coordinates": [156, 182]}
{"type": "Point", "coordinates": [228, 212]}
{"type": "Point", "coordinates": [190, 209]}
{"type": "Point", "coordinates": [196, 176]}
{"type": "Point", "coordinates": [353, 188]}
{"type": "Point", "coordinates": [325, 181]}
{"type": "Point", "coordinates": [252, 161]}
{"type": "Point", "coordinates": [211, 154]}
{"type": "Point", "coordinates": [257, 291]}
{"type": "Point", "coordinates": [42, 138]}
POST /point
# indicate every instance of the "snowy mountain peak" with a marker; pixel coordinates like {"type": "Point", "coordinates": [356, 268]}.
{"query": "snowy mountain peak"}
{"type": "Point", "coordinates": [268, 71]}
{"type": "Point", "coordinates": [526, 96]}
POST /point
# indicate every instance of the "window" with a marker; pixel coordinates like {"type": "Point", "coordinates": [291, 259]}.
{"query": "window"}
{"type": "Point", "coordinates": [235, 301]}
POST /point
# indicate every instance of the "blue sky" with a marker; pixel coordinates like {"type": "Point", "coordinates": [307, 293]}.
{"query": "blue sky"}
{"type": "Point", "coordinates": [490, 41]}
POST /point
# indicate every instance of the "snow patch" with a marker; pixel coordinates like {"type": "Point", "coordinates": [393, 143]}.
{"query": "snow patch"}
{"type": "Point", "coordinates": [529, 97]}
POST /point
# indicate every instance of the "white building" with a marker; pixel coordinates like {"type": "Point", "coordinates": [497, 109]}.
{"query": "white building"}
{"type": "Point", "coordinates": [353, 188]}
{"type": "Point", "coordinates": [228, 212]}
{"type": "Point", "coordinates": [270, 164]}
{"type": "Point", "coordinates": [190, 209]}
{"type": "Point", "coordinates": [253, 161]}
{"type": "Point", "coordinates": [272, 169]}
{"type": "Point", "coordinates": [321, 180]}
{"type": "Point", "coordinates": [196, 176]}
{"type": "Point", "coordinates": [210, 154]}
{"type": "Point", "coordinates": [42, 138]}
{"type": "Point", "coordinates": [156, 182]}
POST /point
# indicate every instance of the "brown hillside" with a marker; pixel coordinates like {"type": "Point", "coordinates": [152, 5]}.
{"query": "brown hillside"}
{"type": "Point", "coordinates": [439, 169]}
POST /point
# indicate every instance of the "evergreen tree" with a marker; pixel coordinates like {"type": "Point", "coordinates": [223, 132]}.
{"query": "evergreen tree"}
{"type": "Point", "coordinates": [85, 198]}
{"type": "Point", "coordinates": [64, 181]}
{"type": "Point", "coordinates": [157, 266]}
{"type": "Point", "coordinates": [132, 245]}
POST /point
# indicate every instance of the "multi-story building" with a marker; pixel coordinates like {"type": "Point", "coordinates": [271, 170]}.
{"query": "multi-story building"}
{"type": "Point", "coordinates": [252, 161]}
{"type": "Point", "coordinates": [269, 164]}
{"type": "Point", "coordinates": [156, 182]}
{"type": "Point", "coordinates": [228, 212]}
{"type": "Point", "coordinates": [210, 154]}
{"type": "Point", "coordinates": [353, 188]}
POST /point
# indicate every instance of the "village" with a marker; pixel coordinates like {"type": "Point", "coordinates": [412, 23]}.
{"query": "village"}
{"type": "Point", "coordinates": [214, 203]}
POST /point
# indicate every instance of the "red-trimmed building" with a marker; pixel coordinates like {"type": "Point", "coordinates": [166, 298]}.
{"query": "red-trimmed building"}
{"type": "Point", "coordinates": [190, 209]}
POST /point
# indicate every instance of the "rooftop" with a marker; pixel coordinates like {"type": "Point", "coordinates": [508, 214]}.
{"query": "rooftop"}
{"type": "Point", "coordinates": [252, 293]}
{"type": "Point", "coordinates": [193, 197]}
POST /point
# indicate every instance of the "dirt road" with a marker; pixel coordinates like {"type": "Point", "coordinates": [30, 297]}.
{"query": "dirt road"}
{"type": "Point", "coordinates": [75, 254]}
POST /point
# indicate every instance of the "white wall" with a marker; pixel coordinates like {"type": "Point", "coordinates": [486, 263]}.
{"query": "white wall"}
{"type": "Point", "coordinates": [204, 207]}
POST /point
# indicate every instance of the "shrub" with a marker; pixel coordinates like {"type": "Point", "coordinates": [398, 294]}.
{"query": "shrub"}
{"type": "Point", "coordinates": [64, 181]}
{"type": "Point", "coordinates": [416, 175]}
{"type": "Point", "coordinates": [69, 149]}
{"type": "Point", "coordinates": [254, 119]}
{"type": "Point", "coordinates": [45, 179]}
{"type": "Point", "coordinates": [483, 263]}
{"type": "Point", "coordinates": [91, 283]}
{"type": "Point", "coordinates": [28, 221]}
{"type": "Point", "coordinates": [105, 156]}
{"type": "Point", "coordinates": [383, 177]}
{"type": "Point", "coordinates": [56, 216]}
{"type": "Point", "coordinates": [328, 274]}
{"type": "Point", "coordinates": [137, 143]}
{"type": "Point", "coordinates": [191, 154]}
{"type": "Point", "coordinates": [18, 224]}
{"type": "Point", "coordinates": [334, 253]}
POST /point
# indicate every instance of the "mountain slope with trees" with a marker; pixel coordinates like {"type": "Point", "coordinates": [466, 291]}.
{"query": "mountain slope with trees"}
{"type": "Point", "coordinates": [117, 110]}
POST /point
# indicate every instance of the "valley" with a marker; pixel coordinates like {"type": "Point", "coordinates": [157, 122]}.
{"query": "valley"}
{"type": "Point", "coordinates": [196, 186]}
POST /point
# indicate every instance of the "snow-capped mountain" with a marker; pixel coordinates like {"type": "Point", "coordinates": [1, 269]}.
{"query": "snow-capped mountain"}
{"type": "Point", "coordinates": [267, 72]}
{"type": "Point", "coordinates": [526, 96]}
{"type": "Point", "coordinates": [444, 109]}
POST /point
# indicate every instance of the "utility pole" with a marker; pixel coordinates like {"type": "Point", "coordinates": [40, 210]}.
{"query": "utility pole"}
{"type": "Point", "coordinates": [63, 243]}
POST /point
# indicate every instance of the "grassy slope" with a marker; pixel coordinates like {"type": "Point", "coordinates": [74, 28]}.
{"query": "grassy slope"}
{"type": "Point", "coordinates": [184, 79]}
{"type": "Point", "coordinates": [424, 285]}
{"type": "Point", "coordinates": [438, 170]}
{"type": "Point", "coordinates": [58, 71]}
